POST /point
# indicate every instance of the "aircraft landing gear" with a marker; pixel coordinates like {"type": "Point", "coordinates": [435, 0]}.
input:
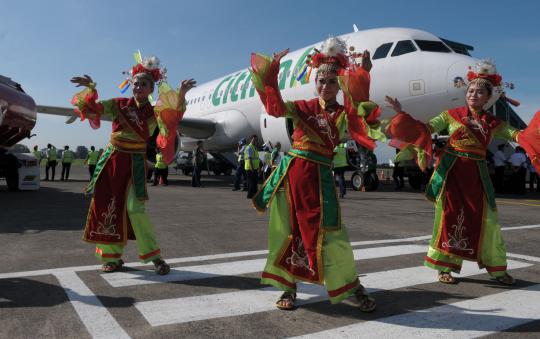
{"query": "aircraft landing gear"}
{"type": "Point", "coordinates": [368, 179]}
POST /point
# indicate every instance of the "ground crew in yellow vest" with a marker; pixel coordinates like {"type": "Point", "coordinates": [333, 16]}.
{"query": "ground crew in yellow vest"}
{"type": "Point", "coordinates": [67, 159]}
{"type": "Point", "coordinates": [252, 162]}
{"type": "Point", "coordinates": [91, 160]}
{"type": "Point", "coordinates": [267, 166]}
{"type": "Point", "coordinates": [51, 162]}
{"type": "Point", "coordinates": [37, 153]}
{"type": "Point", "coordinates": [340, 165]}
{"type": "Point", "coordinates": [240, 175]}
{"type": "Point", "coordinates": [161, 170]}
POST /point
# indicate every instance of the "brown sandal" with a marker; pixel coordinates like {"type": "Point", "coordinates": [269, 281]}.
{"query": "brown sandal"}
{"type": "Point", "coordinates": [112, 266]}
{"type": "Point", "coordinates": [286, 301]}
{"type": "Point", "coordinates": [506, 279]}
{"type": "Point", "coordinates": [447, 278]}
{"type": "Point", "coordinates": [366, 303]}
{"type": "Point", "coordinates": [161, 267]}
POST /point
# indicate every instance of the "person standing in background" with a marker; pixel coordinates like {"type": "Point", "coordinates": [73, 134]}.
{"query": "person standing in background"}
{"type": "Point", "coordinates": [51, 162]}
{"type": "Point", "coordinates": [37, 153]}
{"type": "Point", "coordinates": [91, 160]}
{"type": "Point", "coordinates": [161, 170]}
{"type": "Point", "coordinates": [67, 159]}
{"type": "Point", "coordinates": [499, 161]}
{"type": "Point", "coordinates": [518, 161]}
{"type": "Point", "coordinates": [275, 157]}
{"type": "Point", "coordinates": [340, 164]}
{"type": "Point", "coordinates": [240, 174]}
{"type": "Point", "coordinates": [398, 174]}
{"type": "Point", "coordinates": [252, 163]}
{"type": "Point", "coordinates": [199, 159]}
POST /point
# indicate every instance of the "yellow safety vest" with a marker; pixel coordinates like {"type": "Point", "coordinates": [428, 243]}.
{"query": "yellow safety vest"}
{"type": "Point", "coordinates": [37, 154]}
{"type": "Point", "coordinates": [68, 156]}
{"type": "Point", "coordinates": [160, 164]}
{"type": "Point", "coordinates": [340, 158]}
{"type": "Point", "coordinates": [255, 160]}
{"type": "Point", "coordinates": [92, 157]}
{"type": "Point", "coordinates": [51, 154]}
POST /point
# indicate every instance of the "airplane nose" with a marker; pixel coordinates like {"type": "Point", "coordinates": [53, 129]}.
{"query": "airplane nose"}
{"type": "Point", "coordinates": [457, 81]}
{"type": "Point", "coordinates": [457, 74]}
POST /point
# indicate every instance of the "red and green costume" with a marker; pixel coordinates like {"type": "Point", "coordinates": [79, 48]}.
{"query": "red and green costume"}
{"type": "Point", "coordinates": [306, 239]}
{"type": "Point", "coordinates": [117, 211]}
{"type": "Point", "coordinates": [466, 225]}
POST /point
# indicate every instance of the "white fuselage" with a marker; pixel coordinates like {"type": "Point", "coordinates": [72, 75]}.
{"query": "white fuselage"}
{"type": "Point", "coordinates": [424, 82]}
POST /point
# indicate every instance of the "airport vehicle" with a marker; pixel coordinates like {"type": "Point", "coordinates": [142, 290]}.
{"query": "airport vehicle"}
{"type": "Point", "coordinates": [17, 119]}
{"type": "Point", "coordinates": [424, 71]}
{"type": "Point", "coordinates": [184, 162]}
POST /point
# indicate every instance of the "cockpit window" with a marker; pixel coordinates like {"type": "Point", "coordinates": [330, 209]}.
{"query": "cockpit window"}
{"type": "Point", "coordinates": [382, 51]}
{"type": "Point", "coordinates": [403, 47]}
{"type": "Point", "coordinates": [432, 46]}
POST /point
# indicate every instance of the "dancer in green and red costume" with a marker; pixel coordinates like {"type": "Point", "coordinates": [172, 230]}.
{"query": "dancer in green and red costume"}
{"type": "Point", "coordinates": [306, 239]}
{"type": "Point", "coordinates": [466, 224]}
{"type": "Point", "coordinates": [117, 210]}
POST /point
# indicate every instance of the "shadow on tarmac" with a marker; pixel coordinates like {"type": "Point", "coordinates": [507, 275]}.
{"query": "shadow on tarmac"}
{"type": "Point", "coordinates": [37, 211]}
{"type": "Point", "coordinates": [20, 292]}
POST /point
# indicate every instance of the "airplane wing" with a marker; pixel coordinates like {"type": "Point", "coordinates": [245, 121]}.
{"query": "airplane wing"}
{"type": "Point", "coordinates": [63, 111]}
{"type": "Point", "coordinates": [197, 128]}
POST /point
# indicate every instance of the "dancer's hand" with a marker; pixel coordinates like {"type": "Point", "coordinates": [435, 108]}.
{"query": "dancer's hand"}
{"type": "Point", "coordinates": [366, 61]}
{"type": "Point", "coordinates": [82, 81]}
{"type": "Point", "coordinates": [394, 103]}
{"type": "Point", "coordinates": [186, 85]}
{"type": "Point", "coordinates": [278, 56]}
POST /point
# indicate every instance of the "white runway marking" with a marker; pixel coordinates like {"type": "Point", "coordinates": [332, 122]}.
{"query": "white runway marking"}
{"type": "Point", "coordinates": [517, 228]}
{"type": "Point", "coordinates": [464, 319]}
{"type": "Point", "coordinates": [524, 257]}
{"type": "Point", "coordinates": [97, 319]}
{"type": "Point", "coordinates": [181, 310]}
{"type": "Point", "coordinates": [120, 279]}
{"type": "Point", "coordinates": [216, 256]}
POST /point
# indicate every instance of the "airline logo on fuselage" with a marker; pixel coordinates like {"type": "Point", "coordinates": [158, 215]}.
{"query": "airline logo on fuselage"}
{"type": "Point", "coordinates": [227, 89]}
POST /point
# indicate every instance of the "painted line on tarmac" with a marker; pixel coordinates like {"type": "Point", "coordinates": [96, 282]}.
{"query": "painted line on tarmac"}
{"type": "Point", "coordinates": [516, 203]}
{"type": "Point", "coordinates": [523, 257]}
{"type": "Point", "coordinates": [216, 256]}
{"type": "Point", "coordinates": [390, 241]}
{"type": "Point", "coordinates": [98, 320]}
{"type": "Point", "coordinates": [517, 228]}
{"type": "Point", "coordinates": [122, 279]}
{"type": "Point", "coordinates": [465, 319]}
{"type": "Point", "coordinates": [205, 307]}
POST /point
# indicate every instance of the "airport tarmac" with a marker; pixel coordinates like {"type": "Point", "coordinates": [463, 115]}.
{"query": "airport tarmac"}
{"type": "Point", "coordinates": [51, 285]}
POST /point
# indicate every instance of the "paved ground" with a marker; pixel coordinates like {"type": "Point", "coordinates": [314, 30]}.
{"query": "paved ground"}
{"type": "Point", "coordinates": [50, 285]}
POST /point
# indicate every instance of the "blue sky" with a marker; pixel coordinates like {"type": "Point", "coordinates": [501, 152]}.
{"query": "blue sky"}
{"type": "Point", "coordinates": [44, 43]}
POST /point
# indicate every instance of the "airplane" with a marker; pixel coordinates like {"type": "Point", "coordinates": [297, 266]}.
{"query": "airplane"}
{"type": "Point", "coordinates": [17, 119]}
{"type": "Point", "coordinates": [424, 71]}
{"type": "Point", "coordinates": [416, 66]}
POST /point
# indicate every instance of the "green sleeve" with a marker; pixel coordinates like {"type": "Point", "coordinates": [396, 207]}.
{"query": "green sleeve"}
{"type": "Point", "coordinates": [110, 109]}
{"type": "Point", "coordinates": [439, 123]}
{"type": "Point", "coordinates": [506, 132]}
{"type": "Point", "coordinates": [341, 125]}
